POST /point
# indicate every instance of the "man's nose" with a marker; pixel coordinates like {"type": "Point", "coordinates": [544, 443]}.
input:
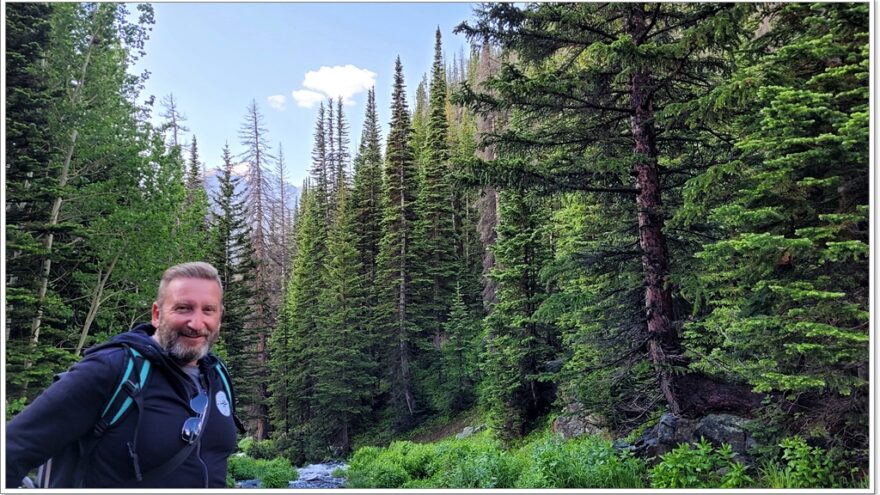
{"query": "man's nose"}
{"type": "Point", "coordinates": [197, 322]}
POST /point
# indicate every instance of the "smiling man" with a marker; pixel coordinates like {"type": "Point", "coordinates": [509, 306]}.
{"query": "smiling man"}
{"type": "Point", "coordinates": [152, 408]}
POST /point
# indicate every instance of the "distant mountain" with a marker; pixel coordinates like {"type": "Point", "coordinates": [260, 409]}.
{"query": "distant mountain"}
{"type": "Point", "coordinates": [212, 186]}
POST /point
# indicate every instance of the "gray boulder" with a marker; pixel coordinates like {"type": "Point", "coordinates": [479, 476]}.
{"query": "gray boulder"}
{"type": "Point", "coordinates": [575, 421]}
{"type": "Point", "coordinates": [671, 431]}
{"type": "Point", "coordinates": [469, 430]}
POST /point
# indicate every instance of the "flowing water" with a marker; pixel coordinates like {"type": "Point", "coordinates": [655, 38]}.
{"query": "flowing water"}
{"type": "Point", "coordinates": [318, 476]}
{"type": "Point", "coordinates": [311, 476]}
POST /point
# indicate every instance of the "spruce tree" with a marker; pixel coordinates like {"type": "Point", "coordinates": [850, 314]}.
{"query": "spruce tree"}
{"type": "Point", "coordinates": [517, 343]}
{"type": "Point", "coordinates": [434, 239]}
{"type": "Point", "coordinates": [233, 256]}
{"type": "Point", "coordinates": [294, 342]}
{"type": "Point", "coordinates": [343, 155]}
{"type": "Point", "coordinates": [397, 259]}
{"type": "Point", "coordinates": [599, 94]}
{"type": "Point", "coordinates": [343, 365]}
{"type": "Point", "coordinates": [366, 200]}
{"type": "Point", "coordinates": [782, 295]}
{"type": "Point", "coordinates": [30, 168]}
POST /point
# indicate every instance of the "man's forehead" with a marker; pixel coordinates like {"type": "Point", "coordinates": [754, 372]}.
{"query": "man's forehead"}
{"type": "Point", "coordinates": [193, 287]}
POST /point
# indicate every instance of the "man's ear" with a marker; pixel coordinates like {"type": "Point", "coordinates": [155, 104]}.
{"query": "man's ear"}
{"type": "Point", "coordinates": [155, 314]}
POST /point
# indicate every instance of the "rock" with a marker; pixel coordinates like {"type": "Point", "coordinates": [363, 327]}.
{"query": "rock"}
{"type": "Point", "coordinates": [575, 422]}
{"type": "Point", "coordinates": [554, 366]}
{"type": "Point", "coordinates": [469, 430]}
{"type": "Point", "coordinates": [726, 428]}
{"type": "Point", "coordinates": [247, 484]}
{"type": "Point", "coordinates": [671, 431]}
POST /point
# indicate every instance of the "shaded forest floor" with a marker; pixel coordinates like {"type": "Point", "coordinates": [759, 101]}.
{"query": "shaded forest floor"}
{"type": "Point", "coordinates": [438, 429]}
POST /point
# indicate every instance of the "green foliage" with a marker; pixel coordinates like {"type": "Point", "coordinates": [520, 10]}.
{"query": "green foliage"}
{"type": "Point", "coordinates": [803, 466]}
{"type": "Point", "coordinates": [272, 473]}
{"type": "Point", "coordinates": [700, 467]}
{"type": "Point", "coordinates": [480, 462]}
{"type": "Point", "coordinates": [780, 293]}
{"type": "Point", "coordinates": [261, 449]}
{"type": "Point", "coordinates": [517, 343]}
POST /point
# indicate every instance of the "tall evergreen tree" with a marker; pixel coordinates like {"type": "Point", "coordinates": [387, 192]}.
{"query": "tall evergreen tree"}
{"type": "Point", "coordinates": [30, 169]}
{"type": "Point", "coordinates": [518, 344]}
{"type": "Point", "coordinates": [598, 92]}
{"type": "Point", "coordinates": [366, 200]}
{"type": "Point", "coordinates": [294, 341]}
{"type": "Point", "coordinates": [257, 154]}
{"type": "Point", "coordinates": [434, 239]}
{"type": "Point", "coordinates": [782, 295]}
{"type": "Point", "coordinates": [397, 258]}
{"type": "Point", "coordinates": [233, 255]}
{"type": "Point", "coordinates": [343, 382]}
{"type": "Point", "coordinates": [343, 156]}
{"type": "Point", "coordinates": [195, 185]}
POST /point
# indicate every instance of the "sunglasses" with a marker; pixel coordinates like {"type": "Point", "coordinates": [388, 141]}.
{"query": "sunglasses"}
{"type": "Point", "coordinates": [193, 426]}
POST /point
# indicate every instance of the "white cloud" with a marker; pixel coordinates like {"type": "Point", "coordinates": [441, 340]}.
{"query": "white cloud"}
{"type": "Point", "coordinates": [340, 80]}
{"type": "Point", "coordinates": [278, 102]}
{"type": "Point", "coordinates": [241, 169]}
{"type": "Point", "coordinates": [307, 99]}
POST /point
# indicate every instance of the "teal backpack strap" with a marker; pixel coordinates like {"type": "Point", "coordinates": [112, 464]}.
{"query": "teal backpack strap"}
{"type": "Point", "coordinates": [127, 392]}
{"type": "Point", "coordinates": [136, 370]}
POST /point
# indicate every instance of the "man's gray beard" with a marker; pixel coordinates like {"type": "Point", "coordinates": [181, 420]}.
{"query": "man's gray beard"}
{"type": "Point", "coordinates": [170, 341]}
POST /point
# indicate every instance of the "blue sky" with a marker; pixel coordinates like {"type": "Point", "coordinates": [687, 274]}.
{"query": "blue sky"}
{"type": "Point", "coordinates": [217, 57]}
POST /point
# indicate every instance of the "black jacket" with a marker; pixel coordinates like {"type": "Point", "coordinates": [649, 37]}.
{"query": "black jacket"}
{"type": "Point", "coordinates": [70, 408]}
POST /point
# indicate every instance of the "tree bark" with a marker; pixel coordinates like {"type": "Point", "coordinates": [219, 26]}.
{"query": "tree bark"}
{"type": "Point", "coordinates": [95, 305]}
{"type": "Point", "coordinates": [663, 338]}
{"type": "Point", "coordinates": [488, 201]}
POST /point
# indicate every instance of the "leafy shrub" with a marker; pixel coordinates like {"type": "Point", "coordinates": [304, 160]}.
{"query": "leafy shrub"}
{"type": "Point", "coordinates": [272, 473]}
{"type": "Point", "coordinates": [480, 462]}
{"type": "Point", "coordinates": [700, 467]}
{"type": "Point", "coordinates": [804, 467]}
{"type": "Point", "coordinates": [245, 443]}
{"type": "Point", "coordinates": [588, 462]}
{"type": "Point", "coordinates": [261, 449]}
{"type": "Point", "coordinates": [242, 467]}
{"type": "Point", "coordinates": [276, 473]}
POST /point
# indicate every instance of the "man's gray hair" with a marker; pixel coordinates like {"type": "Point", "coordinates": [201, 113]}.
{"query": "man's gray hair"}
{"type": "Point", "coordinates": [195, 269]}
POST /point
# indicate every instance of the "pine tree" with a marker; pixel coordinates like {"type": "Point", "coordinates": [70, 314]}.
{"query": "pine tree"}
{"type": "Point", "coordinates": [257, 154]}
{"type": "Point", "coordinates": [588, 87]}
{"type": "Point", "coordinates": [517, 343]}
{"type": "Point", "coordinates": [233, 256]}
{"type": "Point", "coordinates": [396, 259]}
{"type": "Point", "coordinates": [434, 238]}
{"type": "Point", "coordinates": [366, 200]}
{"type": "Point", "coordinates": [782, 295]}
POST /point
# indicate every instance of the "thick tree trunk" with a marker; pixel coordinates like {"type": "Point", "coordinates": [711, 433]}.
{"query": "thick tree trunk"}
{"type": "Point", "coordinates": [663, 339]}
{"type": "Point", "coordinates": [690, 394]}
{"type": "Point", "coordinates": [488, 202]}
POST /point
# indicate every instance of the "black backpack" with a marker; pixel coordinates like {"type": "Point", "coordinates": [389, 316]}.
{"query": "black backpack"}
{"type": "Point", "coordinates": [68, 469]}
